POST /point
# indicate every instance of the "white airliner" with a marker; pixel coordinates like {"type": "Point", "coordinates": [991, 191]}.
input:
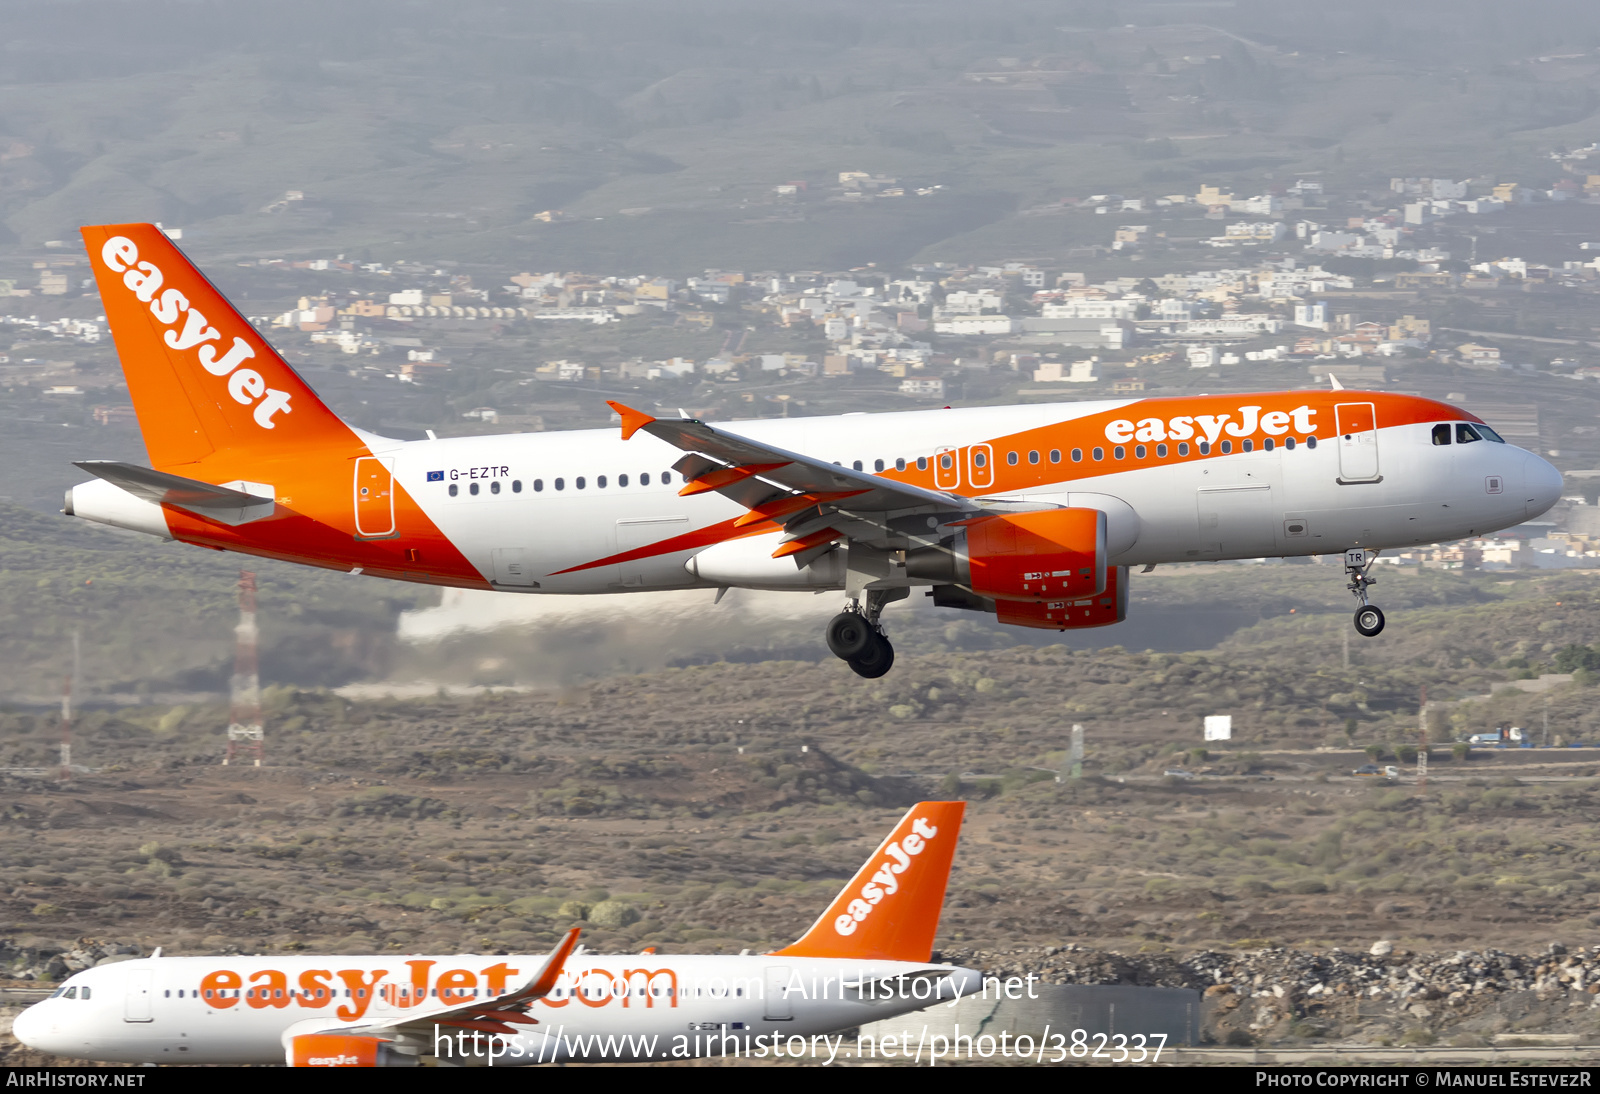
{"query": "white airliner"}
{"type": "Point", "coordinates": [869, 956]}
{"type": "Point", "coordinates": [1033, 513]}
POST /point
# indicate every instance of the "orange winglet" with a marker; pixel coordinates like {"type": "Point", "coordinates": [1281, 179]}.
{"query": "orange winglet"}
{"type": "Point", "coordinates": [552, 966]}
{"type": "Point", "coordinates": [632, 420]}
{"type": "Point", "coordinates": [805, 543]}
{"type": "Point", "coordinates": [890, 909]}
{"type": "Point", "coordinates": [782, 507]}
{"type": "Point", "coordinates": [726, 476]}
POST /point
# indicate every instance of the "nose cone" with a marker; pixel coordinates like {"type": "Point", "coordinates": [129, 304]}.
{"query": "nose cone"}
{"type": "Point", "coordinates": [1542, 483]}
{"type": "Point", "coordinates": [31, 1028]}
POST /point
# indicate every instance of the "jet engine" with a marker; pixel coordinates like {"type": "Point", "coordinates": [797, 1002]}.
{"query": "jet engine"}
{"type": "Point", "coordinates": [345, 1050]}
{"type": "Point", "coordinates": [1048, 554]}
{"type": "Point", "coordinates": [1104, 608]}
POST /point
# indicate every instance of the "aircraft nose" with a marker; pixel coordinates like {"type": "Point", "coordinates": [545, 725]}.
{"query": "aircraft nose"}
{"type": "Point", "coordinates": [29, 1027]}
{"type": "Point", "coordinates": [1542, 484]}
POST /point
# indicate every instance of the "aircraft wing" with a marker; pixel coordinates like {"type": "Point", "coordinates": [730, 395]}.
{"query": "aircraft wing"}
{"type": "Point", "coordinates": [501, 1014]}
{"type": "Point", "coordinates": [815, 501]}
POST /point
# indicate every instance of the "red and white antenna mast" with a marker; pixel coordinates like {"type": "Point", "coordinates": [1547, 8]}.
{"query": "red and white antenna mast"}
{"type": "Point", "coordinates": [244, 721]}
{"type": "Point", "coordinates": [66, 713]}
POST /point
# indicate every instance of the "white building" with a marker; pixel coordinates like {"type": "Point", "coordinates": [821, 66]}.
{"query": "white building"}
{"type": "Point", "coordinates": [975, 324]}
{"type": "Point", "coordinates": [1091, 309]}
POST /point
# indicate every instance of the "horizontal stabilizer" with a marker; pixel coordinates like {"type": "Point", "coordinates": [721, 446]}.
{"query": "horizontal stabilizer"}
{"type": "Point", "coordinates": [219, 503]}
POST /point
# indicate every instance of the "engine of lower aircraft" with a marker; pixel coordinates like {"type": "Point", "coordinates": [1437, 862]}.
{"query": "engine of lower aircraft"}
{"type": "Point", "coordinates": [344, 1050]}
{"type": "Point", "coordinates": [1107, 607]}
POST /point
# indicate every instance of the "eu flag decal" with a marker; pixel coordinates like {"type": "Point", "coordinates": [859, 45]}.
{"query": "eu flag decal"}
{"type": "Point", "coordinates": [435, 476]}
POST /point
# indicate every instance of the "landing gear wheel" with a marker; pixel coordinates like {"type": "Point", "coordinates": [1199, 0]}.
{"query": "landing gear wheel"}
{"type": "Point", "coordinates": [1369, 621]}
{"type": "Point", "coordinates": [876, 660]}
{"type": "Point", "coordinates": [849, 635]}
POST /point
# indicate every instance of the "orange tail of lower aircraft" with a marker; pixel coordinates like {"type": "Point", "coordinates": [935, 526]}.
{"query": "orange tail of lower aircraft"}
{"type": "Point", "coordinates": [890, 910]}
{"type": "Point", "coordinates": [201, 378]}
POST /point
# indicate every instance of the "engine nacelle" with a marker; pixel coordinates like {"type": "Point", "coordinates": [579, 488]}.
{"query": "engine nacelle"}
{"type": "Point", "coordinates": [1046, 554]}
{"type": "Point", "coordinates": [1109, 606]}
{"type": "Point", "coordinates": [345, 1050]}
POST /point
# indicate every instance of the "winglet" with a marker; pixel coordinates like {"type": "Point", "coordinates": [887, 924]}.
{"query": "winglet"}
{"type": "Point", "coordinates": [632, 420]}
{"type": "Point", "coordinates": [1333, 381]}
{"type": "Point", "coordinates": [890, 910]}
{"type": "Point", "coordinates": [542, 984]}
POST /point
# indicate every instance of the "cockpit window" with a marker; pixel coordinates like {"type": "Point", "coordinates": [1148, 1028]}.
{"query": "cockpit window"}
{"type": "Point", "coordinates": [1465, 433]}
{"type": "Point", "coordinates": [1441, 434]}
{"type": "Point", "coordinates": [70, 993]}
{"type": "Point", "coordinates": [85, 993]}
{"type": "Point", "coordinates": [1488, 434]}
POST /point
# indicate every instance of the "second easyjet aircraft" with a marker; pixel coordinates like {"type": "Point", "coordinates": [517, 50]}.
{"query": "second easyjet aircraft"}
{"type": "Point", "coordinates": [1034, 513]}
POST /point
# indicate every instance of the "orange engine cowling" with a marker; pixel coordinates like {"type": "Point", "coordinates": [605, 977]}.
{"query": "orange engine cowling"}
{"type": "Point", "coordinates": [344, 1050]}
{"type": "Point", "coordinates": [1048, 554]}
{"type": "Point", "coordinates": [1110, 606]}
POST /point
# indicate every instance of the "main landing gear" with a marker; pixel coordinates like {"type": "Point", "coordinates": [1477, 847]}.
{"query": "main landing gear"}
{"type": "Point", "coordinates": [1358, 568]}
{"type": "Point", "coordinates": [855, 637]}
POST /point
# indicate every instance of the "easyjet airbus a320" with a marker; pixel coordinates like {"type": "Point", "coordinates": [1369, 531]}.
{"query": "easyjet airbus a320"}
{"type": "Point", "coordinates": [1032, 513]}
{"type": "Point", "coordinates": [868, 957]}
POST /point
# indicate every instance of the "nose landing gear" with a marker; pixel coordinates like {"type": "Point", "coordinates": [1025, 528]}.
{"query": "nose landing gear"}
{"type": "Point", "coordinates": [1358, 568]}
{"type": "Point", "coordinates": [855, 637]}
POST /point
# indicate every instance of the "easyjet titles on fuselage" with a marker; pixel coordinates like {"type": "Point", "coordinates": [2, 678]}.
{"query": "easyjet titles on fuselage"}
{"type": "Point", "coordinates": [1210, 427]}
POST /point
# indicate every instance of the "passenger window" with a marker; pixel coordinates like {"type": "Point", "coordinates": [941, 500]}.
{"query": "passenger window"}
{"type": "Point", "coordinates": [1077, 455]}
{"type": "Point", "coordinates": [1119, 452]}
{"type": "Point", "coordinates": [1183, 448]}
{"type": "Point", "coordinates": [561, 484]}
{"type": "Point", "coordinates": [1139, 452]}
{"type": "Point", "coordinates": [494, 487]}
{"type": "Point", "coordinates": [600, 482]}
{"type": "Point", "coordinates": [877, 465]}
{"type": "Point", "coordinates": [622, 480]}
{"type": "Point", "coordinates": [516, 486]}
{"type": "Point", "coordinates": [981, 459]}
{"type": "Point", "coordinates": [1227, 446]}
{"type": "Point", "coordinates": [900, 465]}
{"type": "Point", "coordinates": [945, 461]}
{"type": "Point", "coordinates": [1098, 454]}
{"type": "Point", "coordinates": [856, 466]}
{"type": "Point", "coordinates": [1011, 458]}
{"type": "Point", "coordinates": [454, 490]}
{"type": "Point", "coordinates": [473, 489]}
{"type": "Point", "coordinates": [1288, 442]}
{"type": "Point", "coordinates": [538, 486]}
{"type": "Point", "coordinates": [1247, 446]}
{"type": "Point", "coordinates": [1055, 455]}
{"type": "Point", "coordinates": [1033, 457]}
{"type": "Point", "coordinates": [666, 478]}
{"type": "Point", "coordinates": [1465, 434]}
{"type": "Point", "coordinates": [1205, 448]}
{"type": "Point", "coordinates": [1311, 442]}
{"type": "Point", "coordinates": [922, 463]}
{"type": "Point", "coordinates": [644, 479]}
{"type": "Point", "coordinates": [1161, 451]}
{"type": "Point", "coordinates": [578, 482]}
{"type": "Point", "coordinates": [1267, 445]}
{"type": "Point", "coordinates": [1441, 434]}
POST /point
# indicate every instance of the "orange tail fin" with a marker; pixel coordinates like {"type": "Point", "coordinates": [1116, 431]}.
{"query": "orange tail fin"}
{"type": "Point", "coordinates": [890, 910]}
{"type": "Point", "coordinates": [201, 378]}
